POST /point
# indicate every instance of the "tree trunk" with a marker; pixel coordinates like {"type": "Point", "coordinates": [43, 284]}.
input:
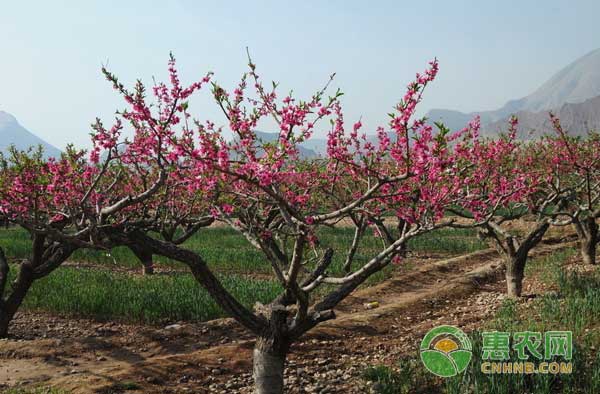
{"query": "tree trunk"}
{"type": "Point", "coordinates": [515, 252]}
{"type": "Point", "coordinates": [148, 267]}
{"type": "Point", "coordinates": [45, 260]}
{"type": "Point", "coordinates": [11, 305]}
{"type": "Point", "coordinates": [515, 271]}
{"type": "Point", "coordinates": [588, 251]}
{"type": "Point", "coordinates": [589, 241]}
{"type": "Point", "coordinates": [145, 258]}
{"type": "Point", "coordinates": [268, 365]}
{"type": "Point", "coordinates": [4, 321]}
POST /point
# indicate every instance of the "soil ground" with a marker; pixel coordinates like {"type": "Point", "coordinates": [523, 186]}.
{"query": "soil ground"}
{"type": "Point", "coordinates": [85, 356]}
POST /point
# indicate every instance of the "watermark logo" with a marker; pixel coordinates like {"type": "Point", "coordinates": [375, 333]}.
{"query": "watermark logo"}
{"type": "Point", "coordinates": [532, 352]}
{"type": "Point", "coordinates": [446, 351]}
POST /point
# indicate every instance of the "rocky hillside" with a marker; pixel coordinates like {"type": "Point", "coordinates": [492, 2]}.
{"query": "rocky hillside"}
{"type": "Point", "coordinates": [577, 119]}
{"type": "Point", "coordinates": [574, 84]}
{"type": "Point", "coordinates": [12, 133]}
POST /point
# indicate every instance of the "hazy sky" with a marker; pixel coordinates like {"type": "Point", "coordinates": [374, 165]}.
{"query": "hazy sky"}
{"type": "Point", "coordinates": [489, 51]}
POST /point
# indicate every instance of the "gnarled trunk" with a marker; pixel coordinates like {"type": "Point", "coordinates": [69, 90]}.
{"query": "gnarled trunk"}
{"type": "Point", "coordinates": [588, 251]}
{"type": "Point", "coordinates": [148, 267]}
{"type": "Point", "coordinates": [145, 258]}
{"type": "Point", "coordinates": [268, 365]}
{"type": "Point", "coordinates": [45, 259]}
{"type": "Point", "coordinates": [515, 272]}
{"type": "Point", "coordinates": [7, 312]}
{"type": "Point", "coordinates": [9, 306]}
{"type": "Point", "coordinates": [4, 322]}
{"type": "Point", "coordinates": [588, 239]}
{"type": "Point", "coordinates": [270, 350]}
{"type": "Point", "coordinates": [515, 252]}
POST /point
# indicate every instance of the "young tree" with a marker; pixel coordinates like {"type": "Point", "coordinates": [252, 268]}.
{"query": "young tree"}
{"type": "Point", "coordinates": [26, 181]}
{"type": "Point", "coordinates": [508, 181]}
{"type": "Point", "coordinates": [80, 202]}
{"type": "Point", "coordinates": [575, 166]}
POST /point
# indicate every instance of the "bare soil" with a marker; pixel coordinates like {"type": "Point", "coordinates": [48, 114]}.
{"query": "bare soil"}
{"type": "Point", "coordinates": [85, 356]}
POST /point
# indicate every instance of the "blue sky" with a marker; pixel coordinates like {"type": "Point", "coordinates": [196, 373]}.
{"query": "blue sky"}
{"type": "Point", "coordinates": [489, 52]}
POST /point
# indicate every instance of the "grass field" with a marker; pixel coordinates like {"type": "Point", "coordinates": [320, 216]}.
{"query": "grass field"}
{"type": "Point", "coordinates": [157, 299]}
{"type": "Point", "coordinates": [225, 249]}
{"type": "Point", "coordinates": [100, 293]}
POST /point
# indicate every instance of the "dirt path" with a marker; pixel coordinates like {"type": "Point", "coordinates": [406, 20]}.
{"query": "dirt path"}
{"type": "Point", "coordinates": [91, 357]}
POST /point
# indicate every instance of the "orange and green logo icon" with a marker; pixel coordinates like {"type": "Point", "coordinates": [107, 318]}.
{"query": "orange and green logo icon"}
{"type": "Point", "coordinates": [446, 351]}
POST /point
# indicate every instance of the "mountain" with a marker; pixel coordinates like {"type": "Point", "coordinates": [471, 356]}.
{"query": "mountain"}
{"type": "Point", "coordinates": [305, 152]}
{"type": "Point", "coordinates": [12, 133]}
{"type": "Point", "coordinates": [575, 118]}
{"type": "Point", "coordinates": [576, 83]}
{"type": "Point", "coordinates": [315, 146]}
{"type": "Point", "coordinates": [319, 145]}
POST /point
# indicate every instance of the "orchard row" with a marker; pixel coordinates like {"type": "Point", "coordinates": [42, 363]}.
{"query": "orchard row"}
{"type": "Point", "coordinates": [175, 175]}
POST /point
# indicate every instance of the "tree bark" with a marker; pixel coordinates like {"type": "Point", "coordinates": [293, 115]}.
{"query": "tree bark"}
{"type": "Point", "coordinates": [270, 350]}
{"type": "Point", "coordinates": [515, 272]}
{"type": "Point", "coordinates": [10, 306]}
{"type": "Point", "coordinates": [4, 321]}
{"type": "Point", "coordinates": [145, 257]}
{"type": "Point", "coordinates": [588, 251]}
{"type": "Point", "coordinates": [515, 252]}
{"type": "Point", "coordinates": [589, 240]}
{"type": "Point", "coordinates": [44, 260]}
{"type": "Point", "coordinates": [268, 366]}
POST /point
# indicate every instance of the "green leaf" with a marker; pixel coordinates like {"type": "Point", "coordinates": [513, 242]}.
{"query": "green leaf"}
{"type": "Point", "coordinates": [438, 363]}
{"type": "Point", "coordinates": [461, 359]}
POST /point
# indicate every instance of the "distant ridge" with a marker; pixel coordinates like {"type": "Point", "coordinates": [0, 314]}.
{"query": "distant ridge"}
{"type": "Point", "coordinates": [576, 119]}
{"type": "Point", "coordinates": [305, 152]}
{"type": "Point", "coordinates": [12, 133]}
{"type": "Point", "coordinates": [314, 146]}
{"type": "Point", "coordinates": [576, 83]}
